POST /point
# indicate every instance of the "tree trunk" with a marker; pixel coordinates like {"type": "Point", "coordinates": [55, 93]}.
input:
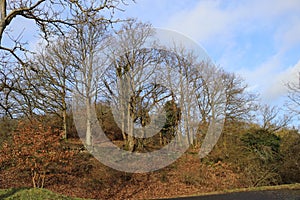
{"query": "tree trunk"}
{"type": "Point", "coordinates": [160, 138]}
{"type": "Point", "coordinates": [131, 143]}
{"type": "Point", "coordinates": [64, 115]}
{"type": "Point", "coordinates": [123, 119]}
{"type": "Point", "coordinates": [88, 136]}
{"type": "Point", "coordinates": [64, 109]}
{"type": "Point", "coordinates": [131, 140]}
{"type": "Point", "coordinates": [2, 17]}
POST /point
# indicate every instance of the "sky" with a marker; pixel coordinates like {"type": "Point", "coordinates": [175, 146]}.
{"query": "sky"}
{"type": "Point", "coordinates": [257, 39]}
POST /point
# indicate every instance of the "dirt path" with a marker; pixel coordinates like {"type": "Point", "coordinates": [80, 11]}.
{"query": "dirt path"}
{"type": "Point", "coordinates": [253, 195]}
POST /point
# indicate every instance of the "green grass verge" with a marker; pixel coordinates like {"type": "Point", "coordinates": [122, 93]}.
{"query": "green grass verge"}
{"type": "Point", "coordinates": [43, 194]}
{"type": "Point", "coordinates": [31, 194]}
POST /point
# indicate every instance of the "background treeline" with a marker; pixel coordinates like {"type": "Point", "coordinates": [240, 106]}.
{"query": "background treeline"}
{"type": "Point", "coordinates": [112, 71]}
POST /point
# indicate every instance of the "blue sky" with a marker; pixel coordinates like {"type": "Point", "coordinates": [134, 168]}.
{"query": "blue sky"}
{"type": "Point", "coordinates": [258, 39]}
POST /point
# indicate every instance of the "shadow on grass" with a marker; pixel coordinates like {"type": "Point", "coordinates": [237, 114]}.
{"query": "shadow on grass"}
{"type": "Point", "coordinates": [11, 192]}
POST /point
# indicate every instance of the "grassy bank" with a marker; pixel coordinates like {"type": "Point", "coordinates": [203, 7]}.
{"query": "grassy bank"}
{"type": "Point", "coordinates": [43, 194]}
{"type": "Point", "coordinates": [31, 194]}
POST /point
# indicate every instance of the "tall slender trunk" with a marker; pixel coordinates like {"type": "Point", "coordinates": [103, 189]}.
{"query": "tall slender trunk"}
{"type": "Point", "coordinates": [88, 103]}
{"type": "Point", "coordinates": [122, 109]}
{"type": "Point", "coordinates": [64, 115]}
{"type": "Point", "coordinates": [160, 138]}
{"type": "Point", "coordinates": [123, 125]}
{"type": "Point", "coordinates": [2, 18]}
{"type": "Point", "coordinates": [88, 81]}
{"type": "Point", "coordinates": [88, 137]}
{"type": "Point", "coordinates": [131, 139]}
{"type": "Point", "coordinates": [64, 108]}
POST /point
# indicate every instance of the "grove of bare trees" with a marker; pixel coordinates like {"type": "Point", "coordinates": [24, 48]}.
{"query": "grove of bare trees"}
{"type": "Point", "coordinates": [92, 70]}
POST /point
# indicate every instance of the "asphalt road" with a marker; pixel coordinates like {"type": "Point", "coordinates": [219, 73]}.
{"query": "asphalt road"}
{"type": "Point", "coordinates": [253, 195]}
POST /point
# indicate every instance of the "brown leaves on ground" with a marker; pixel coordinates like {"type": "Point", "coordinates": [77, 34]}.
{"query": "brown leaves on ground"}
{"type": "Point", "coordinates": [69, 170]}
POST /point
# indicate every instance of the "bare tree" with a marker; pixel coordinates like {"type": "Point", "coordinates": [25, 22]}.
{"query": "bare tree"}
{"type": "Point", "coordinates": [213, 95]}
{"type": "Point", "coordinates": [293, 102]}
{"type": "Point", "coordinates": [54, 18]}
{"type": "Point", "coordinates": [240, 103]}
{"type": "Point", "coordinates": [272, 120]}
{"type": "Point", "coordinates": [7, 84]}
{"type": "Point", "coordinates": [86, 48]}
{"type": "Point", "coordinates": [182, 74]}
{"type": "Point", "coordinates": [53, 82]}
{"type": "Point", "coordinates": [17, 96]}
{"type": "Point", "coordinates": [130, 82]}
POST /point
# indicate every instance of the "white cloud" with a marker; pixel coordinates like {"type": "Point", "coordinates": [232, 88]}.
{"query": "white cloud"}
{"type": "Point", "coordinates": [277, 86]}
{"type": "Point", "coordinates": [210, 20]}
{"type": "Point", "coordinates": [204, 22]}
{"type": "Point", "coordinates": [226, 26]}
{"type": "Point", "coordinates": [261, 76]}
{"type": "Point", "coordinates": [288, 36]}
{"type": "Point", "coordinates": [269, 79]}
